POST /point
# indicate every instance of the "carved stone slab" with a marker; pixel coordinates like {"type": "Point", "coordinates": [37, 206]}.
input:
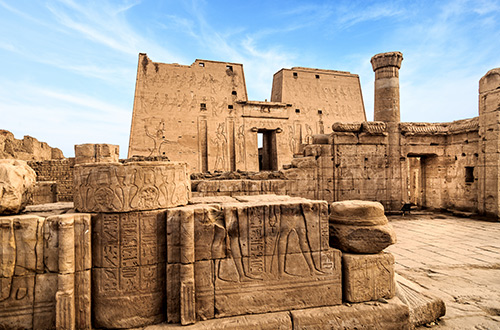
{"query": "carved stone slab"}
{"type": "Point", "coordinates": [132, 186]}
{"type": "Point", "coordinates": [249, 257]}
{"type": "Point", "coordinates": [368, 276]}
{"type": "Point", "coordinates": [128, 269]}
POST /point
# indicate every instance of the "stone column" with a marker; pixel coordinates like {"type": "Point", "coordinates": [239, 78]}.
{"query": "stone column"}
{"type": "Point", "coordinates": [489, 137]}
{"type": "Point", "coordinates": [65, 296]}
{"type": "Point", "coordinates": [386, 67]}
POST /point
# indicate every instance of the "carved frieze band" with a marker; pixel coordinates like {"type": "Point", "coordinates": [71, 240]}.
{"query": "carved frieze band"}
{"type": "Point", "coordinates": [133, 186]}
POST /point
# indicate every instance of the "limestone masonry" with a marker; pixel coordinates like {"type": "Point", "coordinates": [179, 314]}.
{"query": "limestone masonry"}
{"type": "Point", "coordinates": [238, 214]}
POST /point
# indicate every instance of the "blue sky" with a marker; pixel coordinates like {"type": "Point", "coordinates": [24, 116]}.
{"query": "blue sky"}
{"type": "Point", "coordinates": [68, 68]}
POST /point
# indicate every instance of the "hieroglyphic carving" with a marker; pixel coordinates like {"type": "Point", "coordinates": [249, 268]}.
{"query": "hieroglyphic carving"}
{"type": "Point", "coordinates": [272, 251]}
{"type": "Point", "coordinates": [117, 187]}
{"type": "Point", "coordinates": [128, 268]}
{"type": "Point", "coordinates": [292, 141]}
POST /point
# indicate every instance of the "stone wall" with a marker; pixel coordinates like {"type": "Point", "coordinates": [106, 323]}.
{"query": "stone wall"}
{"type": "Point", "coordinates": [45, 272]}
{"type": "Point", "coordinates": [201, 114]}
{"type": "Point", "coordinates": [59, 171]}
{"type": "Point", "coordinates": [29, 148]}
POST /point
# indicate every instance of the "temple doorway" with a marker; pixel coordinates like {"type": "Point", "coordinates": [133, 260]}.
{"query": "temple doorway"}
{"type": "Point", "coordinates": [268, 153]}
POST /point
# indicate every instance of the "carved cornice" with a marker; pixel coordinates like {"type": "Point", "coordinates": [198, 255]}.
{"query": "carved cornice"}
{"type": "Point", "coordinates": [346, 127]}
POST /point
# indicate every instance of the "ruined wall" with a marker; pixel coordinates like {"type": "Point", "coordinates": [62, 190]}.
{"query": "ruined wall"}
{"type": "Point", "coordinates": [201, 114]}
{"type": "Point", "coordinates": [59, 171]}
{"type": "Point", "coordinates": [27, 149]}
{"type": "Point", "coordinates": [45, 276]}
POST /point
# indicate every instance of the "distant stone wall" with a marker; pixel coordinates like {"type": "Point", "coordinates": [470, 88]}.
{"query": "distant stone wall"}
{"type": "Point", "coordinates": [61, 172]}
{"type": "Point", "coordinates": [29, 148]}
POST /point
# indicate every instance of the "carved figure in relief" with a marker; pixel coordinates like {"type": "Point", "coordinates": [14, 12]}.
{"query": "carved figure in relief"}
{"type": "Point", "coordinates": [241, 143]}
{"type": "Point", "coordinates": [220, 142]}
{"type": "Point", "coordinates": [292, 142]}
{"type": "Point", "coordinates": [234, 217]}
{"type": "Point", "coordinates": [309, 134]}
{"type": "Point", "coordinates": [157, 135]}
{"type": "Point", "coordinates": [8, 262]}
{"type": "Point", "coordinates": [102, 197]}
{"type": "Point", "coordinates": [294, 220]}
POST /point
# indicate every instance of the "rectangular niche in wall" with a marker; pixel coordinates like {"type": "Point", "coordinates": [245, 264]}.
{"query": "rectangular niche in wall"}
{"type": "Point", "coordinates": [469, 174]}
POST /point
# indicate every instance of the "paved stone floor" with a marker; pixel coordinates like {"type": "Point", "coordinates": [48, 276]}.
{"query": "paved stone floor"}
{"type": "Point", "coordinates": [458, 259]}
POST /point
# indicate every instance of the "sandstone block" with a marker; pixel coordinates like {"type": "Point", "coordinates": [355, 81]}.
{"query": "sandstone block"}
{"type": "Point", "coordinates": [133, 186]}
{"type": "Point", "coordinates": [268, 287]}
{"type": "Point", "coordinates": [360, 227]}
{"type": "Point", "coordinates": [128, 297]}
{"type": "Point", "coordinates": [44, 313]}
{"type": "Point", "coordinates": [96, 153]}
{"type": "Point", "coordinates": [391, 316]}
{"type": "Point", "coordinates": [44, 192]}
{"type": "Point", "coordinates": [424, 307]}
{"type": "Point", "coordinates": [83, 300]}
{"type": "Point", "coordinates": [367, 277]}
{"type": "Point", "coordinates": [17, 182]}
{"type": "Point", "coordinates": [16, 307]}
{"type": "Point", "coordinates": [128, 271]}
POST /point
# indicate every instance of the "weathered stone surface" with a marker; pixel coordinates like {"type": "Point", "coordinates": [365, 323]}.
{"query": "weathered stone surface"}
{"type": "Point", "coordinates": [271, 289]}
{"type": "Point", "coordinates": [16, 306]}
{"type": "Point", "coordinates": [360, 227]}
{"type": "Point", "coordinates": [26, 149]}
{"type": "Point", "coordinates": [424, 306]}
{"type": "Point", "coordinates": [375, 316]}
{"type": "Point", "coordinates": [250, 257]}
{"type": "Point", "coordinates": [269, 321]}
{"type": "Point", "coordinates": [367, 277]}
{"type": "Point", "coordinates": [44, 192]}
{"type": "Point", "coordinates": [128, 271]}
{"type": "Point", "coordinates": [44, 313]}
{"type": "Point", "coordinates": [83, 299]}
{"type": "Point", "coordinates": [96, 153]}
{"type": "Point", "coordinates": [133, 186]}
{"type": "Point", "coordinates": [17, 182]}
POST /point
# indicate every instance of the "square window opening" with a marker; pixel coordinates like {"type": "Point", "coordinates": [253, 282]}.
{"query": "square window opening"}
{"type": "Point", "coordinates": [295, 74]}
{"type": "Point", "coordinates": [229, 67]}
{"type": "Point", "coordinates": [230, 107]}
{"type": "Point", "coordinates": [202, 64]}
{"type": "Point", "coordinates": [234, 93]}
{"type": "Point", "coordinates": [317, 76]}
{"type": "Point", "coordinates": [297, 110]}
{"type": "Point", "coordinates": [320, 112]}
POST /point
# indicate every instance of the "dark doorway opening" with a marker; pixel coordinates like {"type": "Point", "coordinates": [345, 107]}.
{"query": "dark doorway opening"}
{"type": "Point", "coordinates": [268, 153]}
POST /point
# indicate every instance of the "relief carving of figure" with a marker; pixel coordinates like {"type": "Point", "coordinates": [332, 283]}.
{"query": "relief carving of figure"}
{"type": "Point", "coordinates": [309, 134]}
{"type": "Point", "coordinates": [293, 219]}
{"type": "Point", "coordinates": [292, 142]}
{"type": "Point", "coordinates": [220, 142]}
{"type": "Point", "coordinates": [241, 143]}
{"type": "Point", "coordinates": [156, 132]}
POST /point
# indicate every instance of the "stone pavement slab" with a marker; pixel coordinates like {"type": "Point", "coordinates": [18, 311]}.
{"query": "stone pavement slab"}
{"type": "Point", "coordinates": [457, 259]}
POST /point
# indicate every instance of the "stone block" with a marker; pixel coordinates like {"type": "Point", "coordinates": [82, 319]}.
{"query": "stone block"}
{"type": "Point", "coordinates": [44, 192]}
{"type": "Point", "coordinates": [128, 297]}
{"type": "Point", "coordinates": [16, 305]}
{"type": "Point", "coordinates": [128, 239]}
{"type": "Point", "coordinates": [367, 277]}
{"type": "Point", "coordinates": [132, 186]}
{"type": "Point", "coordinates": [96, 153]}
{"type": "Point", "coordinates": [83, 300]}
{"type": "Point", "coordinates": [17, 181]}
{"type": "Point", "coordinates": [424, 306]}
{"type": "Point", "coordinates": [391, 316]}
{"type": "Point", "coordinates": [278, 283]}
{"type": "Point", "coordinates": [360, 227]}
{"type": "Point", "coordinates": [269, 321]}
{"type": "Point", "coordinates": [44, 312]}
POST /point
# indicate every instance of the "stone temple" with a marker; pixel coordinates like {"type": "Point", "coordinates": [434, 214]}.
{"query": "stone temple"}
{"type": "Point", "coordinates": [238, 214]}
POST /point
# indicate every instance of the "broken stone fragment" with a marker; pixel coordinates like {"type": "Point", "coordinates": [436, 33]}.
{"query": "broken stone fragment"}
{"type": "Point", "coordinates": [360, 227]}
{"type": "Point", "coordinates": [17, 182]}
